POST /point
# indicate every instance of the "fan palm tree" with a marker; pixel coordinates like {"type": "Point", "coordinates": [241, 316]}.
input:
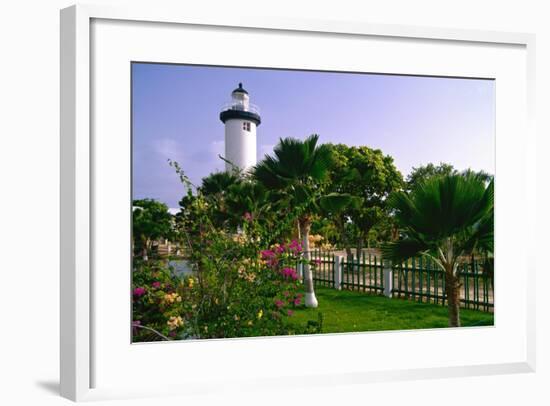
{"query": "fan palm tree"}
{"type": "Point", "coordinates": [249, 198]}
{"type": "Point", "coordinates": [297, 170]}
{"type": "Point", "coordinates": [217, 183]}
{"type": "Point", "coordinates": [445, 218]}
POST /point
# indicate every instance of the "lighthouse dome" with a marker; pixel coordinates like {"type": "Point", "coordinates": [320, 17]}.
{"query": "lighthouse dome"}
{"type": "Point", "coordinates": [240, 89]}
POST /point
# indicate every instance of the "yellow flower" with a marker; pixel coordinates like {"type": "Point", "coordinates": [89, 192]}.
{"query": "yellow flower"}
{"type": "Point", "coordinates": [174, 322]}
{"type": "Point", "coordinates": [260, 314]}
{"type": "Point", "coordinates": [170, 298]}
{"type": "Point", "coordinates": [191, 282]}
{"type": "Point", "coordinates": [249, 322]}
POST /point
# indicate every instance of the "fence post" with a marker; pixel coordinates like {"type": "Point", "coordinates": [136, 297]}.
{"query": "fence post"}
{"type": "Point", "coordinates": [338, 272]}
{"type": "Point", "coordinates": [300, 269]}
{"type": "Point", "coordinates": [388, 278]}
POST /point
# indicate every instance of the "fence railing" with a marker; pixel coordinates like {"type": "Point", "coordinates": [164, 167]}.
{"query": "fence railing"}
{"type": "Point", "coordinates": [363, 273]}
{"type": "Point", "coordinates": [416, 279]}
{"type": "Point", "coordinates": [324, 269]}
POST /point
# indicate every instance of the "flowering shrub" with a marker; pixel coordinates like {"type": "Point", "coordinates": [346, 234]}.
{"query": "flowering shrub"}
{"type": "Point", "coordinates": [240, 287]}
{"type": "Point", "coordinates": [160, 303]}
{"type": "Point", "coordinates": [243, 291]}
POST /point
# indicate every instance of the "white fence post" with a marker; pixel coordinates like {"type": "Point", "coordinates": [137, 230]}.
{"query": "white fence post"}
{"type": "Point", "coordinates": [338, 272]}
{"type": "Point", "coordinates": [300, 270]}
{"type": "Point", "coordinates": [388, 278]}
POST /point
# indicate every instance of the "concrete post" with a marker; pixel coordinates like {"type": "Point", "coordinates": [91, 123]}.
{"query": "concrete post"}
{"type": "Point", "coordinates": [388, 278]}
{"type": "Point", "coordinates": [338, 272]}
{"type": "Point", "coordinates": [300, 269]}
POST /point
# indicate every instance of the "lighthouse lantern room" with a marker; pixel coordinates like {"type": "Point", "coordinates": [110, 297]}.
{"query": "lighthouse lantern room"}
{"type": "Point", "coordinates": [241, 119]}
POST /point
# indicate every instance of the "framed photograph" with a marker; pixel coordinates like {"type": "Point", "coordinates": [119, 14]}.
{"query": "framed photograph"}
{"type": "Point", "coordinates": [238, 195]}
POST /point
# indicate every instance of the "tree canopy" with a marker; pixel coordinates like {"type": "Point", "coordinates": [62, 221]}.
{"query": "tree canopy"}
{"type": "Point", "coordinates": [422, 173]}
{"type": "Point", "coordinates": [151, 221]}
{"type": "Point", "coordinates": [370, 176]}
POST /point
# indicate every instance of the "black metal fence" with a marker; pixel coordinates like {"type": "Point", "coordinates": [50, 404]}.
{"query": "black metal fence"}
{"type": "Point", "coordinates": [417, 279]}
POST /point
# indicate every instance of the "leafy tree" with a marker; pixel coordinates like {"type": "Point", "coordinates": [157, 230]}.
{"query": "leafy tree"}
{"type": "Point", "coordinates": [297, 170]}
{"type": "Point", "coordinates": [150, 221]}
{"type": "Point", "coordinates": [335, 206]}
{"type": "Point", "coordinates": [445, 218]}
{"type": "Point", "coordinates": [422, 173]}
{"type": "Point", "coordinates": [369, 175]}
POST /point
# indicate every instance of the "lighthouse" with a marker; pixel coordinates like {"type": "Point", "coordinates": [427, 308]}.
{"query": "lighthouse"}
{"type": "Point", "coordinates": [241, 118]}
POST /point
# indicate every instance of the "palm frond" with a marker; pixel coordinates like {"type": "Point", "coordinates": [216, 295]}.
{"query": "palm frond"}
{"type": "Point", "coordinates": [480, 236]}
{"type": "Point", "coordinates": [336, 202]}
{"type": "Point", "coordinates": [401, 250]}
{"type": "Point", "coordinates": [294, 161]}
{"type": "Point", "coordinates": [218, 182]}
{"type": "Point", "coordinates": [442, 206]}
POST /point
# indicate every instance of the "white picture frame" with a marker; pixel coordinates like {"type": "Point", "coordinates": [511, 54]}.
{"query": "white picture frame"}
{"type": "Point", "coordinates": [77, 188]}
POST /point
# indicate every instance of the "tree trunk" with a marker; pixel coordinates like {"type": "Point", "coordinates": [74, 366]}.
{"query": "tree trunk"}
{"type": "Point", "coordinates": [452, 289]}
{"type": "Point", "coordinates": [349, 254]}
{"type": "Point", "coordinates": [359, 247]}
{"type": "Point", "coordinates": [345, 240]}
{"type": "Point", "coordinates": [144, 252]}
{"type": "Point", "coordinates": [310, 299]}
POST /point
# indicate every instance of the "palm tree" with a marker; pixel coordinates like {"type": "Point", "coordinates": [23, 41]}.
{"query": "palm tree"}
{"type": "Point", "coordinates": [297, 170]}
{"type": "Point", "coordinates": [247, 198]}
{"type": "Point", "coordinates": [217, 183]}
{"type": "Point", "coordinates": [445, 218]}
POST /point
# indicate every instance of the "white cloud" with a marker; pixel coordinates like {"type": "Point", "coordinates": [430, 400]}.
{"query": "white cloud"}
{"type": "Point", "coordinates": [168, 148]}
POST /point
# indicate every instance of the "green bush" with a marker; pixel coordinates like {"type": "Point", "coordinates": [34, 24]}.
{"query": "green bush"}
{"type": "Point", "coordinates": [161, 302]}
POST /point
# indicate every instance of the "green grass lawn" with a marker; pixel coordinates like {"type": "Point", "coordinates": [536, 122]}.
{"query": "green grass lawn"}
{"type": "Point", "coordinates": [347, 311]}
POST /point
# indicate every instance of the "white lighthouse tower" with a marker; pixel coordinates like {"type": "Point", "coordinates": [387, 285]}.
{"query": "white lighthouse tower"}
{"type": "Point", "coordinates": [241, 119]}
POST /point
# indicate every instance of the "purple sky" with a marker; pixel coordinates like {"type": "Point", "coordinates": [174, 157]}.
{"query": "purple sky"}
{"type": "Point", "coordinates": [417, 120]}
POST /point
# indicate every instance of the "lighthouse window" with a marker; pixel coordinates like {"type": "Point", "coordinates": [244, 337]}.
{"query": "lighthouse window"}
{"type": "Point", "coordinates": [246, 126]}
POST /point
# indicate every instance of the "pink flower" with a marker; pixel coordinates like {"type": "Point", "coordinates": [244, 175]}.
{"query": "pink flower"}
{"type": "Point", "coordinates": [289, 312]}
{"type": "Point", "coordinates": [295, 246]}
{"type": "Point", "coordinates": [317, 262]}
{"type": "Point", "coordinates": [297, 301]}
{"type": "Point", "coordinates": [290, 273]}
{"type": "Point", "coordinates": [280, 249]}
{"type": "Point", "coordinates": [286, 293]}
{"type": "Point", "coordinates": [279, 303]}
{"type": "Point", "coordinates": [266, 254]}
{"type": "Point", "coordinates": [247, 216]}
{"type": "Point", "coordinates": [156, 285]}
{"type": "Point", "coordinates": [139, 292]}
